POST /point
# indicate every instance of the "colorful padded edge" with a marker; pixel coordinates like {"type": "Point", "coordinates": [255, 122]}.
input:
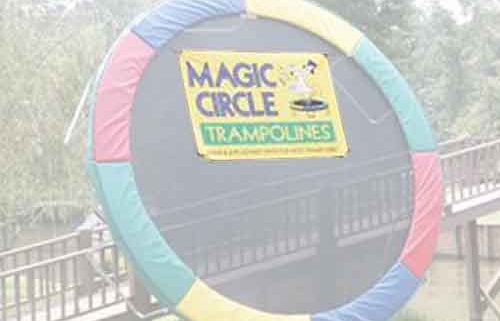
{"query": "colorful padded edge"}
{"type": "Point", "coordinates": [393, 291]}
{"type": "Point", "coordinates": [380, 303]}
{"type": "Point", "coordinates": [428, 208]}
{"type": "Point", "coordinates": [325, 24]}
{"type": "Point", "coordinates": [204, 304]}
{"type": "Point", "coordinates": [132, 54]}
{"type": "Point", "coordinates": [174, 16]}
{"type": "Point", "coordinates": [164, 274]}
{"type": "Point", "coordinates": [115, 96]}
{"type": "Point", "coordinates": [96, 84]}
{"type": "Point", "coordinates": [411, 115]}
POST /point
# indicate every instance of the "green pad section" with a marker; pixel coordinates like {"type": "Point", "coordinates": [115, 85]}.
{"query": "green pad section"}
{"type": "Point", "coordinates": [163, 273]}
{"type": "Point", "coordinates": [94, 177]}
{"type": "Point", "coordinates": [402, 98]}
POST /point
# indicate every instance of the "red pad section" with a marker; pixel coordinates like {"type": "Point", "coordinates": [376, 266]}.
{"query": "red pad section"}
{"type": "Point", "coordinates": [428, 195]}
{"type": "Point", "coordinates": [115, 98]}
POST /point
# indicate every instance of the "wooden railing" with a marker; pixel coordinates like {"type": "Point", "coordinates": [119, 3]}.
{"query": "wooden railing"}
{"type": "Point", "coordinates": [288, 226]}
{"type": "Point", "coordinates": [83, 272]}
{"type": "Point", "coordinates": [456, 144]}
{"type": "Point", "coordinates": [54, 280]}
{"type": "Point", "coordinates": [471, 172]}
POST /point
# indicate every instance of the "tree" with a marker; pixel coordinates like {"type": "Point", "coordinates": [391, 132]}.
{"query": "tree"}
{"type": "Point", "coordinates": [50, 49]}
{"type": "Point", "coordinates": [452, 65]}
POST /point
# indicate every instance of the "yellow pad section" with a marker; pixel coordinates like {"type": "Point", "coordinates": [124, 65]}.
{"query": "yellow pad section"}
{"type": "Point", "coordinates": [311, 17]}
{"type": "Point", "coordinates": [204, 304]}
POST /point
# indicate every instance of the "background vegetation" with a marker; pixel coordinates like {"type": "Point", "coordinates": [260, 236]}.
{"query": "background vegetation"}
{"type": "Point", "coordinates": [50, 49]}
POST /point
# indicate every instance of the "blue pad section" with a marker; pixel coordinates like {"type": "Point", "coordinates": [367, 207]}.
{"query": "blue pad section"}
{"type": "Point", "coordinates": [380, 303]}
{"type": "Point", "coordinates": [174, 16]}
{"type": "Point", "coordinates": [163, 273]}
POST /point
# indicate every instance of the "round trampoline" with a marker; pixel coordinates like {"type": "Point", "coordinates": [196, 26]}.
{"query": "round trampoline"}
{"type": "Point", "coordinates": [232, 137]}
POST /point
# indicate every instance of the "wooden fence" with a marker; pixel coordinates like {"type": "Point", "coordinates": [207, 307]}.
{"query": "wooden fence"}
{"type": "Point", "coordinates": [64, 278]}
{"type": "Point", "coordinates": [471, 172]}
{"type": "Point", "coordinates": [83, 272]}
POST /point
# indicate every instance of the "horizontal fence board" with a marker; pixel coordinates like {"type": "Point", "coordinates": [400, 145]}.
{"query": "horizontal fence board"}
{"type": "Point", "coordinates": [53, 280]}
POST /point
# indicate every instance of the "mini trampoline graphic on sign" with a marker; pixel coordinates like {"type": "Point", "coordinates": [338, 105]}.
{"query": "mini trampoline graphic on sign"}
{"type": "Point", "coordinates": [230, 139]}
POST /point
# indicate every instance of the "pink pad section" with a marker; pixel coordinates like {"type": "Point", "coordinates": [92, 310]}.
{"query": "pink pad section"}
{"type": "Point", "coordinates": [115, 97]}
{"type": "Point", "coordinates": [428, 203]}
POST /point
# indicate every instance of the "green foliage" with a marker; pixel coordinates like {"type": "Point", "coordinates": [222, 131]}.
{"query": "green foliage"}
{"type": "Point", "coordinates": [47, 55]}
{"type": "Point", "coordinates": [50, 49]}
{"type": "Point", "coordinates": [453, 65]}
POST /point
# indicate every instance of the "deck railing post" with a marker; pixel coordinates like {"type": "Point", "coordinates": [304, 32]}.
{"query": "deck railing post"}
{"type": "Point", "coordinates": [85, 271]}
{"type": "Point", "coordinates": [327, 247]}
{"type": "Point", "coordinates": [473, 272]}
{"type": "Point", "coordinates": [139, 296]}
{"type": "Point", "coordinates": [30, 287]}
{"type": "Point", "coordinates": [2, 234]}
{"type": "Point", "coordinates": [490, 239]}
{"type": "Point", "coordinates": [459, 232]}
{"type": "Point", "coordinates": [3, 231]}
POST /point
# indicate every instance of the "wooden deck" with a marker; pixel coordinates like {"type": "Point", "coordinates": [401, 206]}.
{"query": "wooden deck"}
{"type": "Point", "coordinates": [38, 283]}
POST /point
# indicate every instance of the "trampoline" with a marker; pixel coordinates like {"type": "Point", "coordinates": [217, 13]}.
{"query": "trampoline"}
{"type": "Point", "coordinates": [232, 135]}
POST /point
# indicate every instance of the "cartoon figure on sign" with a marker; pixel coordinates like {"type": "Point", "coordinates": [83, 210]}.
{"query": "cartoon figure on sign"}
{"type": "Point", "coordinates": [298, 80]}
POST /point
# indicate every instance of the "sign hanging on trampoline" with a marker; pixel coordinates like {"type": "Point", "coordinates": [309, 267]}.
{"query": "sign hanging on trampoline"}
{"type": "Point", "coordinates": [262, 105]}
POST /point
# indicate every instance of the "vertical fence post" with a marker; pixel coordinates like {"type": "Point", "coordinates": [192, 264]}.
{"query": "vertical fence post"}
{"type": "Point", "coordinates": [140, 297]}
{"type": "Point", "coordinates": [30, 288]}
{"type": "Point", "coordinates": [326, 248]}
{"type": "Point", "coordinates": [490, 240]}
{"type": "Point", "coordinates": [85, 271]}
{"type": "Point", "coordinates": [473, 272]}
{"type": "Point", "coordinates": [459, 232]}
{"type": "Point", "coordinates": [3, 231]}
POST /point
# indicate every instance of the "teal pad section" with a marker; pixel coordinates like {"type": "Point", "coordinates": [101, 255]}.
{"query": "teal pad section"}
{"type": "Point", "coordinates": [162, 271]}
{"type": "Point", "coordinates": [402, 98]}
{"type": "Point", "coordinates": [94, 178]}
{"type": "Point", "coordinates": [92, 173]}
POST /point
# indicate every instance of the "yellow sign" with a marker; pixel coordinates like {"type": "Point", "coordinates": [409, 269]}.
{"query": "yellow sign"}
{"type": "Point", "coordinates": [262, 105]}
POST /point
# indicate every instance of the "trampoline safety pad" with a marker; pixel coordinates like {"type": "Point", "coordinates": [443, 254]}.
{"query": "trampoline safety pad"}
{"type": "Point", "coordinates": [188, 121]}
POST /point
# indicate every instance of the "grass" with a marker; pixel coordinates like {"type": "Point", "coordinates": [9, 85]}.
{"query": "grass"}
{"type": "Point", "coordinates": [409, 316]}
{"type": "Point", "coordinates": [490, 220]}
{"type": "Point", "coordinates": [168, 318]}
